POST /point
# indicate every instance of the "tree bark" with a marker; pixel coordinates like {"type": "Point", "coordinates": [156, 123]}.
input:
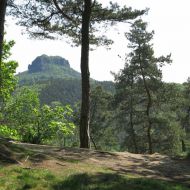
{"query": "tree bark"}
{"type": "Point", "coordinates": [93, 142]}
{"type": "Point", "coordinates": [93, 107]}
{"type": "Point", "coordinates": [149, 127]}
{"type": "Point", "coordinates": [183, 146]}
{"type": "Point", "coordinates": [3, 4]}
{"type": "Point", "coordinates": [149, 104]}
{"type": "Point", "coordinates": [85, 74]}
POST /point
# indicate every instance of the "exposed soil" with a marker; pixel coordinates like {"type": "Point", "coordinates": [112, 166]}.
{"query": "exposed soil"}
{"type": "Point", "coordinates": [155, 166]}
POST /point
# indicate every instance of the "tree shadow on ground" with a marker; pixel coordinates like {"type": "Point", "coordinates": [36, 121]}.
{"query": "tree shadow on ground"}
{"type": "Point", "coordinates": [6, 155]}
{"type": "Point", "coordinates": [13, 153]}
{"type": "Point", "coordinates": [157, 168]}
{"type": "Point", "coordinates": [74, 155]}
{"type": "Point", "coordinates": [83, 153]}
{"type": "Point", "coordinates": [110, 181]}
{"type": "Point", "coordinates": [175, 169]}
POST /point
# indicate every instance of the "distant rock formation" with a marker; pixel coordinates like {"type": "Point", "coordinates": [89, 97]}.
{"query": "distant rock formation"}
{"type": "Point", "coordinates": [42, 62]}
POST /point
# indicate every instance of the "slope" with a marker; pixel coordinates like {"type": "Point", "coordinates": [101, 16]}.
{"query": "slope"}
{"type": "Point", "coordinates": [53, 168]}
{"type": "Point", "coordinates": [56, 80]}
{"type": "Point", "coordinates": [47, 67]}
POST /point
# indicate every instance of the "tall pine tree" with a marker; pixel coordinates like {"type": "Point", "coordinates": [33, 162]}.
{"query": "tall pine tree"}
{"type": "Point", "coordinates": [142, 75]}
{"type": "Point", "coordinates": [78, 20]}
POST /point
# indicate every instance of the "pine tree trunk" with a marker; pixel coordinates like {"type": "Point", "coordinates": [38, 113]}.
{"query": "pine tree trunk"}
{"type": "Point", "coordinates": [3, 4]}
{"type": "Point", "coordinates": [85, 74]}
{"type": "Point", "coordinates": [183, 145]}
{"type": "Point", "coordinates": [149, 126]}
{"type": "Point", "coordinates": [93, 142]}
{"type": "Point", "coordinates": [149, 104]}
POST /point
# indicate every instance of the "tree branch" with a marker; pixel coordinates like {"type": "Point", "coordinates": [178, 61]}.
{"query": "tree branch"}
{"type": "Point", "coordinates": [61, 11]}
{"type": "Point", "coordinates": [48, 18]}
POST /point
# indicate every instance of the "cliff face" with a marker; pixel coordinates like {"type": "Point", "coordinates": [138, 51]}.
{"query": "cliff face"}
{"type": "Point", "coordinates": [44, 63]}
{"type": "Point", "coordinates": [47, 67]}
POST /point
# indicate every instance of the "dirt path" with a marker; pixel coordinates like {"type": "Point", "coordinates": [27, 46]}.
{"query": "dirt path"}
{"type": "Point", "coordinates": [151, 166]}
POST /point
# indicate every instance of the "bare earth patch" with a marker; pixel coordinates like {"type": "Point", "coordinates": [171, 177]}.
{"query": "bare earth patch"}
{"type": "Point", "coordinates": [153, 166]}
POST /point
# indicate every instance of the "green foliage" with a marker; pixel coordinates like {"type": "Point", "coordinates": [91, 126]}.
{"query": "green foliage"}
{"type": "Point", "coordinates": [57, 82]}
{"type": "Point", "coordinates": [7, 71]}
{"type": "Point", "coordinates": [55, 88]}
{"type": "Point", "coordinates": [101, 120]}
{"type": "Point", "coordinates": [170, 116]}
{"type": "Point", "coordinates": [18, 178]}
{"type": "Point", "coordinates": [113, 181]}
{"type": "Point", "coordinates": [68, 91]}
{"type": "Point", "coordinates": [7, 85]}
{"type": "Point", "coordinates": [78, 21]}
{"type": "Point", "coordinates": [65, 18]}
{"type": "Point", "coordinates": [6, 131]}
{"type": "Point", "coordinates": [146, 107]}
{"type": "Point", "coordinates": [187, 155]}
{"type": "Point", "coordinates": [37, 124]}
{"type": "Point", "coordinates": [184, 114]}
{"type": "Point", "coordinates": [64, 91]}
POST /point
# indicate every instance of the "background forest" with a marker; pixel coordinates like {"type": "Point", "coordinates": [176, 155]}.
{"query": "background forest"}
{"type": "Point", "coordinates": [61, 129]}
{"type": "Point", "coordinates": [138, 112]}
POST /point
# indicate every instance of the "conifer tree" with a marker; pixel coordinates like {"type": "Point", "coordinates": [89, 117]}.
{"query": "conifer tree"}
{"type": "Point", "coordinates": [77, 20]}
{"type": "Point", "coordinates": [142, 76]}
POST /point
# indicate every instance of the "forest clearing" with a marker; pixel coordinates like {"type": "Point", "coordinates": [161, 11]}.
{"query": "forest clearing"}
{"type": "Point", "coordinates": [29, 166]}
{"type": "Point", "coordinates": [62, 129]}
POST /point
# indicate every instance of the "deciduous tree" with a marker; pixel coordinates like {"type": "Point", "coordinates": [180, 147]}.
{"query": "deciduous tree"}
{"type": "Point", "coordinates": [36, 124]}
